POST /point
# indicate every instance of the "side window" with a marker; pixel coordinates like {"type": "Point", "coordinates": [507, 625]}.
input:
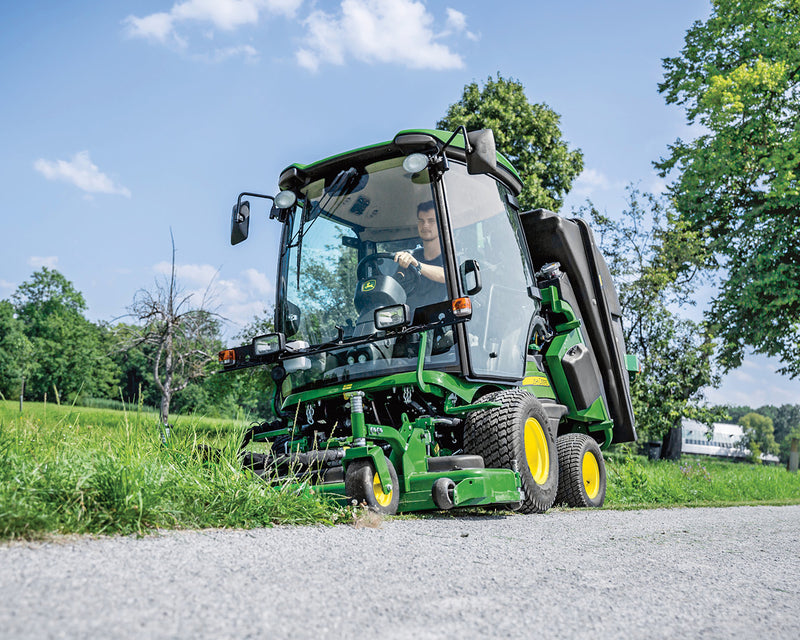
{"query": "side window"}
{"type": "Point", "coordinates": [486, 230]}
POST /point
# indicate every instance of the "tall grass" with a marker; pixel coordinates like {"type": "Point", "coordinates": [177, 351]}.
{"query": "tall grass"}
{"type": "Point", "coordinates": [84, 470]}
{"type": "Point", "coordinates": [87, 470]}
{"type": "Point", "coordinates": [634, 481]}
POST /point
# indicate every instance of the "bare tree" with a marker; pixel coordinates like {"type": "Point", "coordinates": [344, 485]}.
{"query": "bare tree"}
{"type": "Point", "coordinates": [184, 336]}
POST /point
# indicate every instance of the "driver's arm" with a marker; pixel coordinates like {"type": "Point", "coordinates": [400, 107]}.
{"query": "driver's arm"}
{"type": "Point", "coordinates": [430, 271]}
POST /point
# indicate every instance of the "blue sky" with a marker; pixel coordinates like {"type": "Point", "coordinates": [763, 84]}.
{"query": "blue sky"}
{"type": "Point", "coordinates": [123, 120]}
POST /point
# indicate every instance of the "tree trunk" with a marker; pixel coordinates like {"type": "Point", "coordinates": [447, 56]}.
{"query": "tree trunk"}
{"type": "Point", "coordinates": [671, 445]}
{"type": "Point", "coordinates": [165, 399]}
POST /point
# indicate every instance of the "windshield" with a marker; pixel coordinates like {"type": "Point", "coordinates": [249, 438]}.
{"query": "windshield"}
{"type": "Point", "coordinates": [366, 238]}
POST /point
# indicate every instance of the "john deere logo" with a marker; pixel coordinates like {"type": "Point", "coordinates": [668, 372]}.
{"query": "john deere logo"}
{"type": "Point", "coordinates": [369, 285]}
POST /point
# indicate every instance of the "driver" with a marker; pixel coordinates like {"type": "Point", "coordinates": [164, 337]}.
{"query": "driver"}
{"type": "Point", "coordinates": [427, 259]}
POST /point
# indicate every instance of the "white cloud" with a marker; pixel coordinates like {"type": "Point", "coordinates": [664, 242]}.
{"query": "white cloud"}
{"type": "Point", "coordinates": [259, 281]}
{"type": "Point", "coordinates": [156, 26]}
{"type": "Point", "coordinates": [755, 383]}
{"type": "Point", "coordinates": [250, 54]}
{"type": "Point", "coordinates": [384, 31]}
{"type": "Point", "coordinates": [37, 262]}
{"type": "Point", "coordinates": [226, 15]}
{"type": "Point", "coordinates": [237, 299]}
{"type": "Point", "coordinates": [457, 22]}
{"type": "Point", "coordinates": [658, 186]}
{"type": "Point", "coordinates": [81, 172]}
{"type": "Point", "coordinates": [591, 180]}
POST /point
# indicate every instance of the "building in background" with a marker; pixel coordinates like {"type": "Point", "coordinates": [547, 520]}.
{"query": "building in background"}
{"type": "Point", "coordinates": [724, 442]}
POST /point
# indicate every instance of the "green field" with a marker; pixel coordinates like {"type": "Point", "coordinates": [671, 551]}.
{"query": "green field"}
{"type": "Point", "coordinates": [86, 470]}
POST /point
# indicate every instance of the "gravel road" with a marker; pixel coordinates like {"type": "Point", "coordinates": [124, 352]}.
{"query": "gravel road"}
{"type": "Point", "coordinates": [716, 573]}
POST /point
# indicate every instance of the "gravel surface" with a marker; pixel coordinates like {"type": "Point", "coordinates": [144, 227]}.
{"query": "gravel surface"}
{"type": "Point", "coordinates": [667, 573]}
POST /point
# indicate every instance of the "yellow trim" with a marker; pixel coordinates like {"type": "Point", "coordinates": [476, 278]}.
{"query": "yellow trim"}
{"type": "Point", "coordinates": [537, 381]}
{"type": "Point", "coordinates": [536, 452]}
{"type": "Point", "coordinates": [590, 471]}
{"type": "Point", "coordinates": [383, 499]}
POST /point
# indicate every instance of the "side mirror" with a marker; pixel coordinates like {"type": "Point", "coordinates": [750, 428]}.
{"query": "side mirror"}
{"type": "Point", "coordinates": [471, 277]}
{"type": "Point", "coordinates": [291, 318]}
{"type": "Point", "coordinates": [482, 158]}
{"type": "Point", "coordinates": [240, 222]}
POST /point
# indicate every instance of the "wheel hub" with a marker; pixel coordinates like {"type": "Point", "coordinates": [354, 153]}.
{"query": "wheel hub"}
{"type": "Point", "coordinates": [382, 498]}
{"type": "Point", "coordinates": [591, 474]}
{"type": "Point", "coordinates": [536, 452]}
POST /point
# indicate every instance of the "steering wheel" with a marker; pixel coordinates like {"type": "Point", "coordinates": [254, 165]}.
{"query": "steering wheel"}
{"type": "Point", "coordinates": [408, 278]}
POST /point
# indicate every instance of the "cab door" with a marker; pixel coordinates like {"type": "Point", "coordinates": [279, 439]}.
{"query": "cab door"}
{"type": "Point", "coordinates": [486, 229]}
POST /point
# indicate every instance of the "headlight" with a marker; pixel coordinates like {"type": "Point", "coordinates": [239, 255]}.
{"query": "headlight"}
{"type": "Point", "coordinates": [415, 163]}
{"type": "Point", "coordinates": [392, 317]}
{"type": "Point", "coordinates": [267, 344]}
{"type": "Point", "coordinates": [285, 199]}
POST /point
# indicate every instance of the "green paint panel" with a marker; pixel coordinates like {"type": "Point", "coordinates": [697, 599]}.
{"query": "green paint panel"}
{"type": "Point", "coordinates": [442, 384]}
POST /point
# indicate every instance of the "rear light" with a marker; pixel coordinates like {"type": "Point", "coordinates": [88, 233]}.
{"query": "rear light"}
{"type": "Point", "coordinates": [462, 308]}
{"type": "Point", "coordinates": [227, 357]}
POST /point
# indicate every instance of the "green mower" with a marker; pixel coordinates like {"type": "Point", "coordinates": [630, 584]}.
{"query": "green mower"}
{"type": "Point", "coordinates": [436, 347]}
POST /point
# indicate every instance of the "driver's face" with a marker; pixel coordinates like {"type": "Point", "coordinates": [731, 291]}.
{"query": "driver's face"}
{"type": "Point", "coordinates": [426, 224]}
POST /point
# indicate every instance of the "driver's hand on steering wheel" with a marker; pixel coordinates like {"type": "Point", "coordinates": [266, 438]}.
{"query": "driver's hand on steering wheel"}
{"type": "Point", "coordinates": [406, 260]}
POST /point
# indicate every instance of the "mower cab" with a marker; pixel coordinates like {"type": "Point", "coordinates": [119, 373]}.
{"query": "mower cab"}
{"type": "Point", "coordinates": [434, 347]}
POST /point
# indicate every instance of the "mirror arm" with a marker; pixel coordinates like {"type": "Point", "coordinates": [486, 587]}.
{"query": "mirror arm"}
{"type": "Point", "coordinates": [459, 129]}
{"type": "Point", "coordinates": [439, 162]}
{"type": "Point", "coordinates": [253, 195]}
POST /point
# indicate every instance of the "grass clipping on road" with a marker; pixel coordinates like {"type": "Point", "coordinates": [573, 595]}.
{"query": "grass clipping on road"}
{"type": "Point", "coordinates": [81, 470]}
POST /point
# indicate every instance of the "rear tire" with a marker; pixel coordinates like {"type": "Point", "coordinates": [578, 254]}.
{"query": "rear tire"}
{"type": "Point", "coordinates": [517, 432]}
{"type": "Point", "coordinates": [361, 483]}
{"type": "Point", "coordinates": [582, 471]}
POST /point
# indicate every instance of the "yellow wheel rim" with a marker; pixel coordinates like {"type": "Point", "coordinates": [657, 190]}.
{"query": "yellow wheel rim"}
{"type": "Point", "coordinates": [382, 498]}
{"type": "Point", "coordinates": [591, 474]}
{"type": "Point", "coordinates": [536, 452]}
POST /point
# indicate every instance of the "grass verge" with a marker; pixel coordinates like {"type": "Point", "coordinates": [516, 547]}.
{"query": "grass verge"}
{"type": "Point", "coordinates": [635, 482]}
{"type": "Point", "coordinates": [88, 470]}
{"type": "Point", "coordinates": [84, 470]}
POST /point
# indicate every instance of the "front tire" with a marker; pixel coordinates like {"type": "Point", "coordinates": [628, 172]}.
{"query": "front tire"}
{"type": "Point", "coordinates": [517, 432]}
{"type": "Point", "coordinates": [362, 484]}
{"type": "Point", "coordinates": [582, 471]}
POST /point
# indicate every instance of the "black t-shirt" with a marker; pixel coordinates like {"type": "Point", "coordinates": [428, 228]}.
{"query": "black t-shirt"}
{"type": "Point", "coordinates": [427, 291]}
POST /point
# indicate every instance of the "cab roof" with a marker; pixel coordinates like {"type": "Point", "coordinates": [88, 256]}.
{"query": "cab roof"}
{"type": "Point", "coordinates": [404, 143]}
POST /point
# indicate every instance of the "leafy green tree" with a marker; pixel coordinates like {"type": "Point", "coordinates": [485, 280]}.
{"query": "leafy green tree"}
{"type": "Point", "coordinates": [786, 443]}
{"type": "Point", "coordinates": [738, 183]}
{"type": "Point", "coordinates": [675, 353]}
{"type": "Point", "coordinates": [15, 351]}
{"type": "Point", "coordinates": [527, 134]}
{"type": "Point", "coordinates": [735, 412]}
{"type": "Point", "coordinates": [785, 419]}
{"type": "Point", "coordinates": [69, 352]}
{"type": "Point", "coordinates": [759, 435]}
{"type": "Point", "coordinates": [134, 364]}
